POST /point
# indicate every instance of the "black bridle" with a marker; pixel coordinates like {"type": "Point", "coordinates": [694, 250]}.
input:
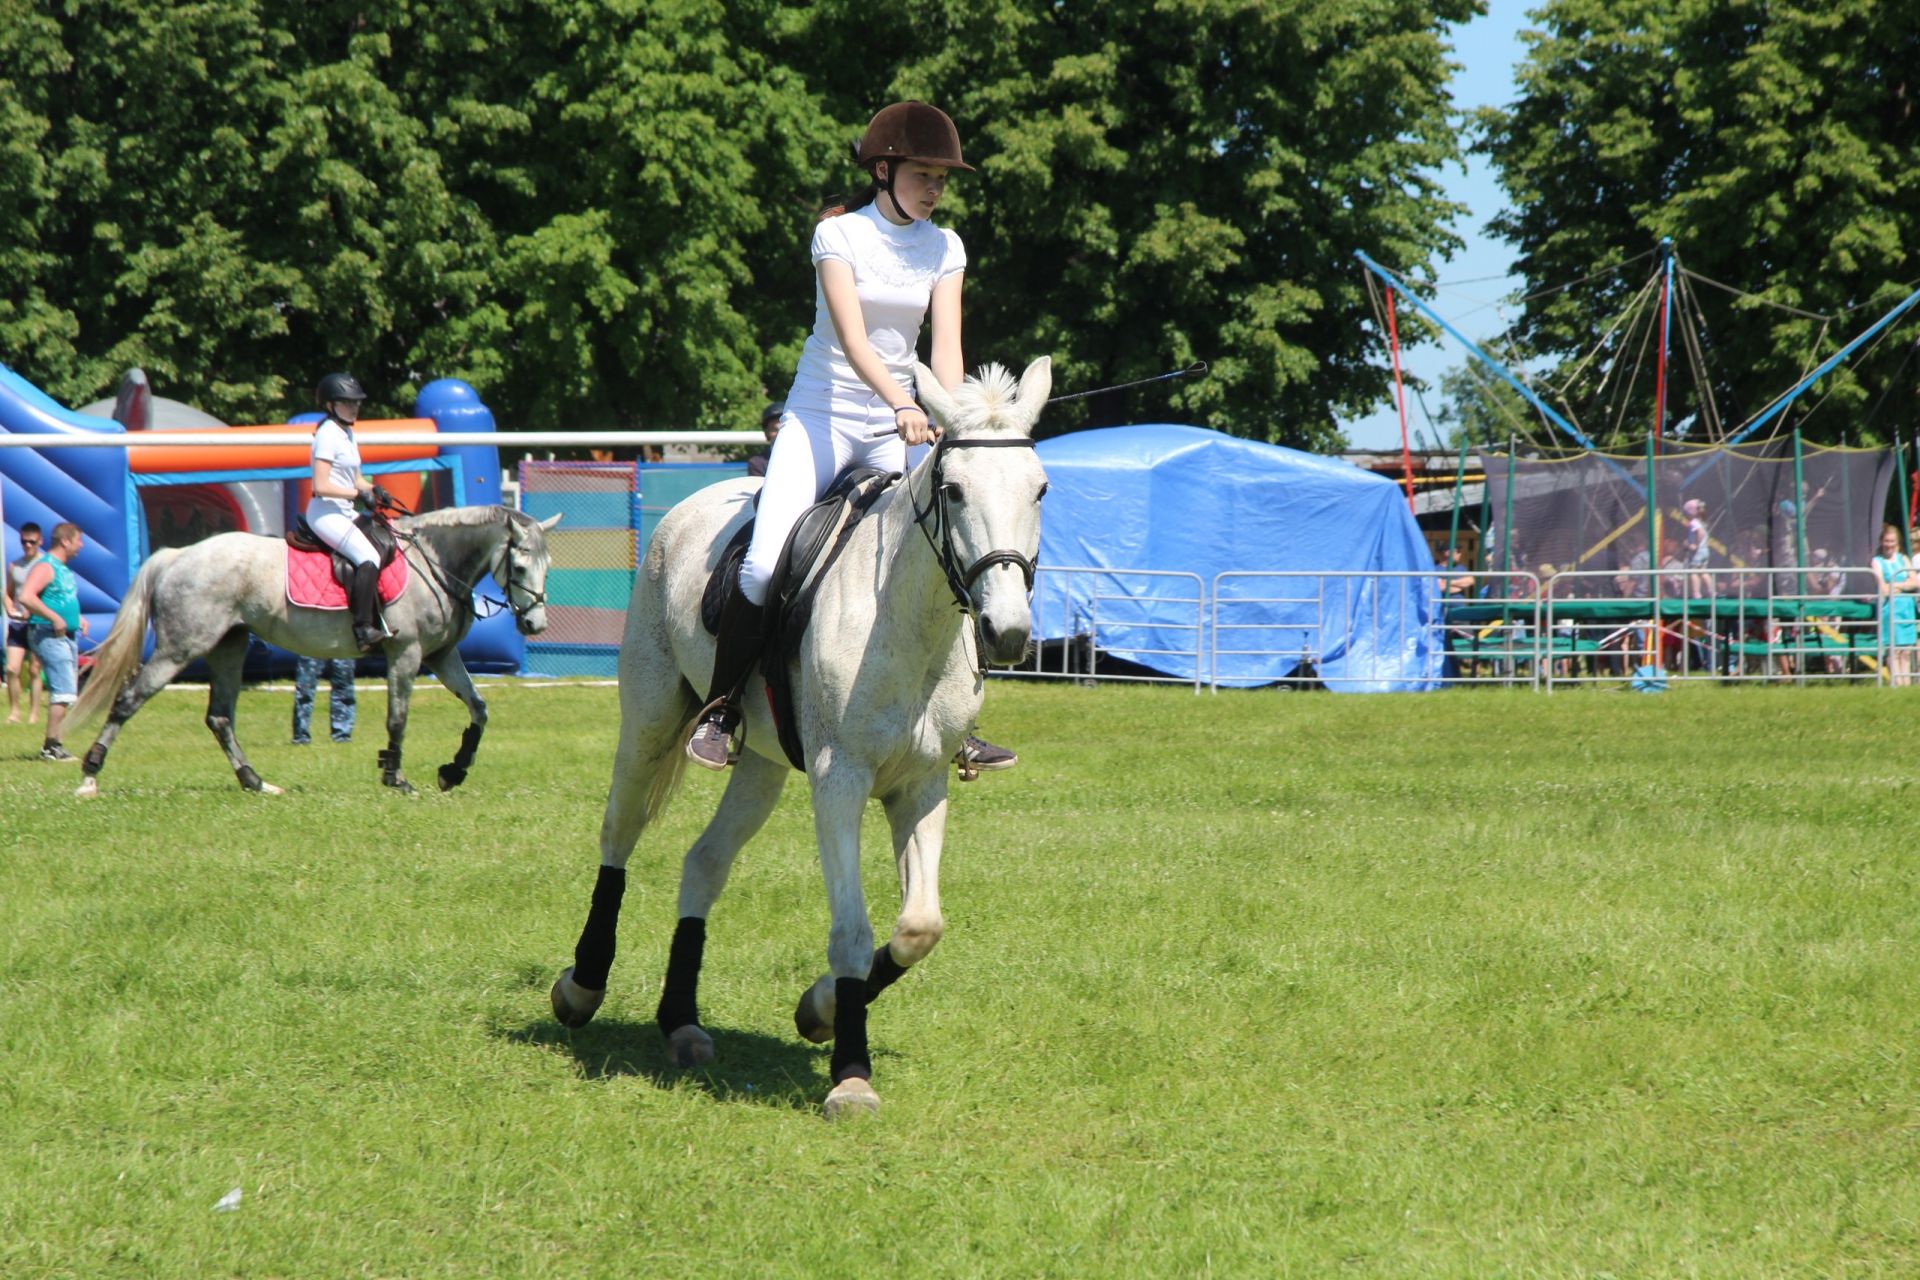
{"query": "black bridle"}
{"type": "Point", "coordinates": [460, 593]}
{"type": "Point", "coordinates": [959, 581]}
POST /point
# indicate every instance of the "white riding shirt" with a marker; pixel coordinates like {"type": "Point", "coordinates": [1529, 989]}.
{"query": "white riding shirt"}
{"type": "Point", "coordinates": [834, 420]}
{"type": "Point", "coordinates": [331, 519]}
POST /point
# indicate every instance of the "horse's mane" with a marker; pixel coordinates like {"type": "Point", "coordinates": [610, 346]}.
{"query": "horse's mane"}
{"type": "Point", "coordinates": [458, 517]}
{"type": "Point", "coordinates": [981, 403]}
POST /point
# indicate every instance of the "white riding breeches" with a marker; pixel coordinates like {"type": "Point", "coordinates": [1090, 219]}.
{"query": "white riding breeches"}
{"type": "Point", "coordinates": [336, 528]}
{"type": "Point", "coordinates": [825, 430]}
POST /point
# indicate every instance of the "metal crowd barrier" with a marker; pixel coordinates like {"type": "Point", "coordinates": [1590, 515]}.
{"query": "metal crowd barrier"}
{"type": "Point", "coordinates": [1638, 627]}
{"type": "Point", "coordinates": [1480, 641]}
{"type": "Point", "coordinates": [1168, 608]}
{"type": "Point", "coordinates": [1730, 625]}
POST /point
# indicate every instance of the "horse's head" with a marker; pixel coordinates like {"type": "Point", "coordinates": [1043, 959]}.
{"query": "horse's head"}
{"type": "Point", "coordinates": [521, 570]}
{"type": "Point", "coordinates": [985, 484]}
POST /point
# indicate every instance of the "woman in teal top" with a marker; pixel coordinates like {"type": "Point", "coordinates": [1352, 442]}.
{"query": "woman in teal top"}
{"type": "Point", "coordinates": [51, 597]}
{"type": "Point", "coordinates": [1897, 581]}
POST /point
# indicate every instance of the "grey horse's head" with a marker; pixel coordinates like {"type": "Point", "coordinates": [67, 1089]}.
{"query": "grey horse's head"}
{"type": "Point", "coordinates": [521, 570]}
{"type": "Point", "coordinates": [990, 496]}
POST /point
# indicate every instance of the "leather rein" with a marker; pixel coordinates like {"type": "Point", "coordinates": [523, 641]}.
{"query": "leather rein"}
{"type": "Point", "coordinates": [459, 592]}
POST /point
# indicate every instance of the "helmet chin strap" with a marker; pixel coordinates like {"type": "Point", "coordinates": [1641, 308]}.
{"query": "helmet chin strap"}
{"type": "Point", "coordinates": [887, 187]}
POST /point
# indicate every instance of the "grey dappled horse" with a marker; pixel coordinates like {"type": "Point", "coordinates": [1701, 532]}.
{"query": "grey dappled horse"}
{"type": "Point", "coordinates": [888, 682]}
{"type": "Point", "coordinates": [205, 598]}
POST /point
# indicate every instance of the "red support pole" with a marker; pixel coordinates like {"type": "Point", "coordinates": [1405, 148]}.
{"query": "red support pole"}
{"type": "Point", "coordinates": [1400, 397]}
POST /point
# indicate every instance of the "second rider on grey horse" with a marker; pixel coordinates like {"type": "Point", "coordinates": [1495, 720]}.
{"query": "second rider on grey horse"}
{"type": "Point", "coordinates": [337, 482]}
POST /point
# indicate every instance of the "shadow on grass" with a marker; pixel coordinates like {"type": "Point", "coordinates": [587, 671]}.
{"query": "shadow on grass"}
{"type": "Point", "coordinates": [747, 1066]}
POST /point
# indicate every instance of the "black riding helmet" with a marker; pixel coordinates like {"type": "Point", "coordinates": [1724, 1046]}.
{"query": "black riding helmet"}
{"type": "Point", "coordinates": [338, 386]}
{"type": "Point", "coordinates": [908, 131]}
{"type": "Point", "coordinates": [772, 413]}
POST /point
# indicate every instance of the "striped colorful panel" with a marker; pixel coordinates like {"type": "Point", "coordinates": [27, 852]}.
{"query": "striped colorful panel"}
{"type": "Point", "coordinates": [590, 588]}
{"type": "Point", "coordinates": [592, 548]}
{"type": "Point", "coordinates": [577, 477]}
{"type": "Point", "coordinates": [581, 510]}
{"type": "Point", "coordinates": [571, 660]}
{"type": "Point", "coordinates": [570, 624]}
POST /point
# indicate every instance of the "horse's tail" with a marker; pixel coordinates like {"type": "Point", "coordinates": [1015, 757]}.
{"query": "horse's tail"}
{"type": "Point", "coordinates": [666, 779]}
{"type": "Point", "coordinates": [117, 659]}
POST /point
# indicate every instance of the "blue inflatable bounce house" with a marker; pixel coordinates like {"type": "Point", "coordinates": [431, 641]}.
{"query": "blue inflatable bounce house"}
{"type": "Point", "coordinates": [129, 499]}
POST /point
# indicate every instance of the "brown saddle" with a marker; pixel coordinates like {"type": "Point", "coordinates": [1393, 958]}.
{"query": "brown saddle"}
{"type": "Point", "coordinates": [817, 539]}
{"type": "Point", "coordinates": [301, 537]}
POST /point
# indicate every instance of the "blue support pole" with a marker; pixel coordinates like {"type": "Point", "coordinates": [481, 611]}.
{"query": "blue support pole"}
{"type": "Point", "coordinates": [1780, 406]}
{"type": "Point", "coordinates": [1395, 282]}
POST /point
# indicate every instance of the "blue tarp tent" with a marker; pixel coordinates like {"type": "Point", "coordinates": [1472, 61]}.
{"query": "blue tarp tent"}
{"type": "Point", "coordinates": [1130, 503]}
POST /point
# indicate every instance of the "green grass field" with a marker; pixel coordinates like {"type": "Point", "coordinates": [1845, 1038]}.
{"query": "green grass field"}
{"type": "Point", "coordinates": [1472, 984]}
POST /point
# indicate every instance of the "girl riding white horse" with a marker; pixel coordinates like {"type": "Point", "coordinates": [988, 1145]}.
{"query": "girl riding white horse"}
{"type": "Point", "coordinates": [889, 676]}
{"type": "Point", "coordinates": [881, 264]}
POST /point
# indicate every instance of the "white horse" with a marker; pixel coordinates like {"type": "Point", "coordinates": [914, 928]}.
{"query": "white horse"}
{"type": "Point", "coordinates": [888, 680]}
{"type": "Point", "coordinates": [204, 599]}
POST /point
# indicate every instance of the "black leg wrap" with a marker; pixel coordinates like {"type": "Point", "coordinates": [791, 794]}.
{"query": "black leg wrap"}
{"type": "Point", "coordinates": [95, 758]}
{"type": "Point", "coordinates": [593, 954]}
{"type": "Point", "coordinates": [390, 766]}
{"type": "Point", "coordinates": [248, 778]}
{"type": "Point", "coordinates": [885, 972]}
{"type": "Point", "coordinates": [452, 775]}
{"type": "Point", "coordinates": [678, 1005]}
{"type": "Point", "coordinates": [850, 1030]}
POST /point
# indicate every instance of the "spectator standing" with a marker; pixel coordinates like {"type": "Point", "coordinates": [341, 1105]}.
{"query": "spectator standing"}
{"type": "Point", "coordinates": [306, 684]}
{"type": "Point", "coordinates": [23, 669]}
{"type": "Point", "coordinates": [51, 595]}
{"type": "Point", "coordinates": [1696, 549]}
{"type": "Point", "coordinates": [1893, 573]}
{"type": "Point", "coordinates": [770, 427]}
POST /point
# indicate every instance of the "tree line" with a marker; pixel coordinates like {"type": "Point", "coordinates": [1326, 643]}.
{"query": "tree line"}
{"type": "Point", "coordinates": [596, 211]}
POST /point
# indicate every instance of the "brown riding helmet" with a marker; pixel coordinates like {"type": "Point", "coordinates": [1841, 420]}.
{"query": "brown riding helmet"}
{"type": "Point", "coordinates": [911, 131]}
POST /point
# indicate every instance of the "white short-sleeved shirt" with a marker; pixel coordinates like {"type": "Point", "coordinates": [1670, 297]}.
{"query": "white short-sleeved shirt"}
{"type": "Point", "coordinates": [894, 271]}
{"type": "Point", "coordinates": [332, 444]}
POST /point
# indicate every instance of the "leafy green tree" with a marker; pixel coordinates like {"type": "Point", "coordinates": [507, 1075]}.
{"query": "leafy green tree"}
{"type": "Point", "coordinates": [1777, 144]}
{"type": "Point", "coordinates": [1167, 183]}
{"type": "Point", "coordinates": [597, 212]}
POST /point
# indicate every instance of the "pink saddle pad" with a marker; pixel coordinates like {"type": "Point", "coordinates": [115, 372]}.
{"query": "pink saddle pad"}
{"type": "Point", "coordinates": [310, 581]}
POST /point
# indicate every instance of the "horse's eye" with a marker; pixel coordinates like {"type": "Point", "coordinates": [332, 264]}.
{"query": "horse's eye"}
{"type": "Point", "coordinates": [1042, 493]}
{"type": "Point", "coordinates": [953, 494]}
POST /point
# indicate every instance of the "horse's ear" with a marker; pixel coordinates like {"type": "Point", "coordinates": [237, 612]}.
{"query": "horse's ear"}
{"type": "Point", "coordinates": [1035, 385]}
{"type": "Point", "coordinates": [551, 520]}
{"type": "Point", "coordinates": [932, 394]}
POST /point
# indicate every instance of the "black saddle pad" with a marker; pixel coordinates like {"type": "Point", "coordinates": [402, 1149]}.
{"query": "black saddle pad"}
{"type": "Point", "coordinates": [301, 537]}
{"type": "Point", "coordinates": [812, 547]}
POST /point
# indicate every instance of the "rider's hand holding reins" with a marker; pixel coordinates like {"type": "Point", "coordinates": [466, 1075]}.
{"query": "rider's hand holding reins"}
{"type": "Point", "coordinates": [914, 426]}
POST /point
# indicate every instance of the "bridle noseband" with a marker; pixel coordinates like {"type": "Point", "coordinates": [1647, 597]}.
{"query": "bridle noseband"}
{"type": "Point", "coordinates": [958, 581]}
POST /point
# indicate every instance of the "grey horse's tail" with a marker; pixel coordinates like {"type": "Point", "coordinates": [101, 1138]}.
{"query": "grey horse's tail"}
{"type": "Point", "coordinates": [117, 659]}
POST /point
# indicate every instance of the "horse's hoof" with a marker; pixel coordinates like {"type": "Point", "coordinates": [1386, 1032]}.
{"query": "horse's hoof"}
{"type": "Point", "coordinates": [573, 1004]}
{"type": "Point", "coordinates": [851, 1097]}
{"type": "Point", "coordinates": [814, 1026]}
{"type": "Point", "coordinates": [402, 786]}
{"type": "Point", "coordinates": [268, 789]}
{"type": "Point", "coordinates": [689, 1046]}
{"type": "Point", "coordinates": [88, 788]}
{"type": "Point", "coordinates": [451, 777]}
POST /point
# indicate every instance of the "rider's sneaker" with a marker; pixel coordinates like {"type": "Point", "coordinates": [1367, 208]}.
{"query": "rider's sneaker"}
{"type": "Point", "coordinates": [711, 746]}
{"type": "Point", "coordinates": [369, 638]}
{"type": "Point", "coordinates": [978, 753]}
{"type": "Point", "coordinates": [57, 754]}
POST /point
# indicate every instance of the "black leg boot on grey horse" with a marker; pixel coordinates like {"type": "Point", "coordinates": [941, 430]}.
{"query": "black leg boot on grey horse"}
{"type": "Point", "coordinates": [363, 594]}
{"type": "Point", "coordinates": [736, 649]}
